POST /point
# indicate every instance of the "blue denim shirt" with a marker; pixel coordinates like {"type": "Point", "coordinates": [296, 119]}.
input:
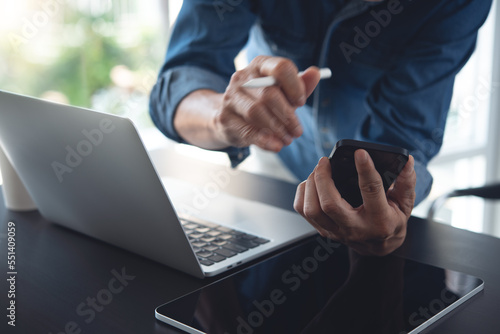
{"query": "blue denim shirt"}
{"type": "Point", "coordinates": [393, 63]}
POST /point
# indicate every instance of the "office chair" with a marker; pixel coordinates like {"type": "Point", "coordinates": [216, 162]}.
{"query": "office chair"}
{"type": "Point", "coordinates": [490, 191]}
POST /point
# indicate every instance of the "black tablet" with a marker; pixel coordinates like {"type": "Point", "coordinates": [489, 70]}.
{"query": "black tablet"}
{"type": "Point", "coordinates": [323, 287]}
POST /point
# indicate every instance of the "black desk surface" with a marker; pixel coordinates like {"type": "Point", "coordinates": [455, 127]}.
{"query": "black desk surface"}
{"type": "Point", "coordinates": [58, 269]}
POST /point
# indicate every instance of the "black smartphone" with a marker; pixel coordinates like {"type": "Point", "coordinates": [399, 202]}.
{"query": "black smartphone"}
{"type": "Point", "coordinates": [388, 160]}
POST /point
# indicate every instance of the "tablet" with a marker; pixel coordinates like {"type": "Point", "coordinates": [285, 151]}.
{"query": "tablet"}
{"type": "Point", "coordinates": [323, 287]}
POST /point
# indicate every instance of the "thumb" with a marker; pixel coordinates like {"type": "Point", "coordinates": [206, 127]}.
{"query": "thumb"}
{"type": "Point", "coordinates": [370, 183]}
{"type": "Point", "coordinates": [311, 79]}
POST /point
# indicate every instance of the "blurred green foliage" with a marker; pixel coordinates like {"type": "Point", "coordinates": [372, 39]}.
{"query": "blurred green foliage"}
{"type": "Point", "coordinates": [80, 71]}
{"type": "Point", "coordinates": [81, 67]}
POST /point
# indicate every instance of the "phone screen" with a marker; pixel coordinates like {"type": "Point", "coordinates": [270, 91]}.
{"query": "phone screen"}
{"type": "Point", "coordinates": [388, 161]}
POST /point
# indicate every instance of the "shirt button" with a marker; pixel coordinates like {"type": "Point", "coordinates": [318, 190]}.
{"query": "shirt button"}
{"type": "Point", "coordinates": [327, 145]}
{"type": "Point", "coordinates": [324, 129]}
{"type": "Point", "coordinates": [240, 155]}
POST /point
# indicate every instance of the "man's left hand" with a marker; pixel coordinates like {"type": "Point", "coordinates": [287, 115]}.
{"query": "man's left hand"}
{"type": "Point", "coordinates": [378, 226]}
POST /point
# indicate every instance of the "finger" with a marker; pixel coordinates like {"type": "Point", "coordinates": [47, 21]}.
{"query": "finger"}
{"type": "Point", "coordinates": [313, 211]}
{"type": "Point", "coordinates": [267, 141]}
{"type": "Point", "coordinates": [332, 204]}
{"type": "Point", "coordinates": [298, 202]}
{"type": "Point", "coordinates": [403, 192]}
{"type": "Point", "coordinates": [330, 200]}
{"type": "Point", "coordinates": [236, 130]}
{"type": "Point", "coordinates": [283, 112]}
{"type": "Point", "coordinates": [241, 133]}
{"type": "Point", "coordinates": [311, 201]}
{"type": "Point", "coordinates": [311, 79]}
{"type": "Point", "coordinates": [267, 134]}
{"type": "Point", "coordinates": [370, 183]}
{"type": "Point", "coordinates": [286, 74]}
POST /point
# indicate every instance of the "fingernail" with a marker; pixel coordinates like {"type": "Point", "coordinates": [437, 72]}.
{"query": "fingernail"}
{"type": "Point", "coordinates": [297, 132]}
{"type": "Point", "coordinates": [362, 156]}
{"type": "Point", "coordinates": [274, 145]}
{"type": "Point", "coordinates": [287, 140]}
{"type": "Point", "coordinates": [412, 164]}
{"type": "Point", "coordinates": [301, 101]}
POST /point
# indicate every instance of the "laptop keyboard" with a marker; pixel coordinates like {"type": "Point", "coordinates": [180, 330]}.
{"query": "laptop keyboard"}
{"type": "Point", "coordinates": [214, 243]}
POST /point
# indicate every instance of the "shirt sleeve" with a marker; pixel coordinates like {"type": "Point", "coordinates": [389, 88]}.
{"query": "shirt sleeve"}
{"type": "Point", "coordinates": [410, 103]}
{"type": "Point", "coordinates": [206, 38]}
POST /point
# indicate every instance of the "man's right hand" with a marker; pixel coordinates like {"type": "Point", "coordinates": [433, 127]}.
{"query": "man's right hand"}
{"type": "Point", "coordinates": [244, 116]}
{"type": "Point", "coordinates": [264, 116]}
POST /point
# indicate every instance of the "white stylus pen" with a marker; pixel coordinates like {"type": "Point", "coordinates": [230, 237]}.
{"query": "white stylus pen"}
{"type": "Point", "coordinates": [324, 73]}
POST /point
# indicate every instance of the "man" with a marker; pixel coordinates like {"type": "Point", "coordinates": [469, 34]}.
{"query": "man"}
{"type": "Point", "coordinates": [393, 65]}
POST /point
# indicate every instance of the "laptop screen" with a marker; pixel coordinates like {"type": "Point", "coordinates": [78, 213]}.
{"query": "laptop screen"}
{"type": "Point", "coordinates": [323, 287]}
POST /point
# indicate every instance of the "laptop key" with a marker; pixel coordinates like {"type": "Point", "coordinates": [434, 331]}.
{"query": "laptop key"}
{"type": "Point", "coordinates": [235, 247]}
{"type": "Point", "coordinates": [261, 240]}
{"type": "Point", "coordinates": [191, 226]}
{"type": "Point", "coordinates": [225, 236]}
{"type": "Point", "coordinates": [205, 262]}
{"type": "Point", "coordinates": [198, 244]}
{"type": "Point", "coordinates": [248, 236]}
{"type": "Point", "coordinates": [209, 224]}
{"type": "Point", "coordinates": [219, 242]}
{"type": "Point", "coordinates": [225, 252]}
{"type": "Point", "coordinates": [224, 229]}
{"type": "Point", "coordinates": [204, 254]}
{"type": "Point", "coordinates": [214, 233]}
{"type": "Point", "coordinates": [216, 258]}
{"type": "Point", "coordinates": [203, 229]}
{"type": "Point", "coordinates": [196, 235]}
{"type": "Point", "coordinates": [210, 248]}
{"type": "Point", "coordinates": [244, 243]}
{"type": "Point", "coordinates": [208, 239]}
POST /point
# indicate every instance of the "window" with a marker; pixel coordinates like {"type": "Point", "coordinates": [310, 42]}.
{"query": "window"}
{"type": "Point", "coordinates": [470, 151]}
{"type": "Point", "coordinates": [91, 53]}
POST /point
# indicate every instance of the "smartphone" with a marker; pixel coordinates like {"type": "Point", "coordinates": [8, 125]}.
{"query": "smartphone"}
{"type": "Point", "coordinates": [388, 160]}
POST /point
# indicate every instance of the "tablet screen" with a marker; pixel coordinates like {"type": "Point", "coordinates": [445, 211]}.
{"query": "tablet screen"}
{"type": "Point", "coordinates": [323, 287]}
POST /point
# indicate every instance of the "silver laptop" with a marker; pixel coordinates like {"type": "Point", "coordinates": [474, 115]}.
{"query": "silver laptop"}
{"type": "Point", "coordinates": [89, 171]}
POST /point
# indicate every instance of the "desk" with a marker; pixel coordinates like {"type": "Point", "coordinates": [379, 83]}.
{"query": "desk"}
{"type": "Point", "coordinates": [58, 269]}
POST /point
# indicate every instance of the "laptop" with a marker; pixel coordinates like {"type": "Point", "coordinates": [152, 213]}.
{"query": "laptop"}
{"type": "Point", "coordinates": [89, 171]}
